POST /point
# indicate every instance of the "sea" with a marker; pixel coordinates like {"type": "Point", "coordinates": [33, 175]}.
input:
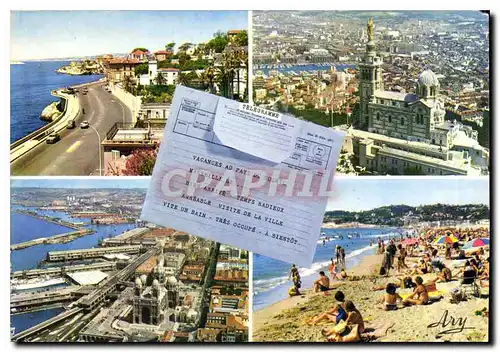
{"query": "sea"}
{"type": "Point", "coordinates": [298, 68]}
{"type": "Point", "coordinates": [25, 227]}
{"type": "Point", "coordinates": [30, 87]}
{"type": "Point", "coordinates": [270, 277]}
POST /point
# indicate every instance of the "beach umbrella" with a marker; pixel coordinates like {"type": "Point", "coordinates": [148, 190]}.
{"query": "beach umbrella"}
{"type": "Point", "coordinates": [409, 241]}
{"type": "Point", "coordinates": [445, 239]}
{"type": "Point", "coordinates": [477, 242]}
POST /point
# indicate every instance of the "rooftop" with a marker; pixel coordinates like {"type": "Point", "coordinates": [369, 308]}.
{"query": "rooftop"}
{"type": "Point", "coordinates": [406, 97]}
{"type": "Point", "coordinates": [92, 277]}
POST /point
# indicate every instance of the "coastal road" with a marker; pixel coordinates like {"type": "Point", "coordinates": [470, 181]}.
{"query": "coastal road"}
{"type": "Point", "coordinates": [76, 154]}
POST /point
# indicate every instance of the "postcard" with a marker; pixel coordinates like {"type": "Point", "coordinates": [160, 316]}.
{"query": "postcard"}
{"type": "Point", "coordinates": [243, 176]}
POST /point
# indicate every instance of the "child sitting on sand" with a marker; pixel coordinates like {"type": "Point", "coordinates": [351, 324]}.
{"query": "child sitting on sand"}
{"type": "Point", "coordinates": [336, 314]}
{"type": "Point", "coordinates": [390, 298]}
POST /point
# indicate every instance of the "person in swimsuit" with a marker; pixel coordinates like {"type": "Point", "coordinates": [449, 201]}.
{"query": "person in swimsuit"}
{"type": "Point", "coordinates": [293, 271]}
{"type": "Point", "coordinates": [333, 269]}
{"type": "Point", "coordinates": [390, 298]}
{"type": "Point", "coordinates": [419, 295]}
{"type": "Point", "coordinates": [354, 320]}
{"type": "Point", "coordinates": [322, 283]}
{"type": "Point", "coordinates": [336, 314]}
{"type": "Point", "coordinates": [445, 275]}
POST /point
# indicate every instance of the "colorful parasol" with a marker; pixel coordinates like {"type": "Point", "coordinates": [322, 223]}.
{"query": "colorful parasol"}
{"type": "Point", "coordinates": [409, 241]}
{"type": "Point", "coordinates": [445, 239]}
{"type": "Point", "coordinates": [477, 242]}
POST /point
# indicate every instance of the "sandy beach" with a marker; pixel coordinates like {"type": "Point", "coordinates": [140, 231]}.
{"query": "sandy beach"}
{"type": "Point", "coordinates": [286, 320]}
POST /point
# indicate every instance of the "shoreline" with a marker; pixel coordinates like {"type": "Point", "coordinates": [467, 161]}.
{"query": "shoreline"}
{"type": "Point", "coordinates": [285, 320]}
{"type": "Point", "coordinates": [52, 123]}
{"type": "Point", "coordinates": [349, 225]}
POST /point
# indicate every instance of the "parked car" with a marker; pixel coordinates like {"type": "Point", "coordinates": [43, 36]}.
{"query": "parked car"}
{"type": "Point", "coordinates": [70, 124]}
{"type": "Point", "coordinates": [84, 124]}
{"type": "Point", "coordinates": [53, 138]}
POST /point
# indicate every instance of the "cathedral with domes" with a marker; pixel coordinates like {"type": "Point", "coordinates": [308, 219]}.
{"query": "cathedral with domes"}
{"type": "Point", "coordinates": [396, 114]}
{"type": "Point", "coordinates": [407, 133]}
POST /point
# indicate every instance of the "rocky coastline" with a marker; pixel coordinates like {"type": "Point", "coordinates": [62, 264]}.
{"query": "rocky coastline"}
{"type": "Point", "coordinates": [81, 68]}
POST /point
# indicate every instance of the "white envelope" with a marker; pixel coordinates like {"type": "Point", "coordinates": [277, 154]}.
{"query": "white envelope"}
{"type": "Point", "coordinates": [226, 143]}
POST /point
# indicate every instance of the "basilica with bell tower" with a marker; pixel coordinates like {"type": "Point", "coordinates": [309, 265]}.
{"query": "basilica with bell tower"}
{"type": "Point", "coordinates": [399, 114]}
{"type": "Point", "coordinates": [370, 76]}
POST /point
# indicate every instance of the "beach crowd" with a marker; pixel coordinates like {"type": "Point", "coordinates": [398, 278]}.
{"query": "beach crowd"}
{"type": "Point", "coordinates": [443, 255]}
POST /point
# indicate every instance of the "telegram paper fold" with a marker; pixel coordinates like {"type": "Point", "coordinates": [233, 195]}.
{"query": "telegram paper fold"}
{"type": "Point", "coordinates": [244, 176]}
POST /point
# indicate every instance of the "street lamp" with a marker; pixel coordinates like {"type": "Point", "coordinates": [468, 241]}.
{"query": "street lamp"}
{"type": "Point", "coordinates": [98, 149]}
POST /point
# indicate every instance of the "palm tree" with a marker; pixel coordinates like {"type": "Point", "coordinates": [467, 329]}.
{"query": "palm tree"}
{"type": "Point", "coordinates": [183, 79]}
{"type": "Point", "coordinates": [223, 77]}
{"type": "Point", "coordinates": [160, 79]}
{"type": "Point", "coordinates": [208, 77]}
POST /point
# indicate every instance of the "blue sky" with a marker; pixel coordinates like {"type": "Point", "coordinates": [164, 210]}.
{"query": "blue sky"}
{"type": "Point", "coordinates": [53, 34]}
{"type": "Point", "coordinates": [369, 193]}
{"type": "Point", "coordinates": [356, 194]}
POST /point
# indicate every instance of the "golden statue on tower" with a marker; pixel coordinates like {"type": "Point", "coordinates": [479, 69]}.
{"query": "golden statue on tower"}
{"type": "Point", "coordinates": [370, 29]}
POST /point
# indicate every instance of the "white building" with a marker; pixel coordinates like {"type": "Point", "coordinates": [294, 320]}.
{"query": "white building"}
{"type": "Point", "coordinates": [170, 75]}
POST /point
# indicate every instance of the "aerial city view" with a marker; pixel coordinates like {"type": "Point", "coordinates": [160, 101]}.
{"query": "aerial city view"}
{"type": "Point", "coordinates": [400, 266]}
{"type": "Point", "coordinates": [410, 88]}
{"type": "Point", "coordinates": [88, 270]}
{"type": "Point", "coordinates": [83, 106]}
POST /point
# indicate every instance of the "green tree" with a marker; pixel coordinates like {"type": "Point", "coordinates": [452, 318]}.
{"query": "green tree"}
{"type": "Point", "coordinates": [127, 83]}
{"type": "Point", "coordinates": [241, 39]}
{"type": "Point", "coordinates": [141, 69]}
{"type": "Point", "coordinates": [185, 46]}
{"type": "Point", "coordinates": [160, 79]}
{"type": "Point", "coordinates": [141, 49]}
{"type": "Point", "coordinates": [170, 46]}
{"type": "Point", "coordinates": [218, 42]}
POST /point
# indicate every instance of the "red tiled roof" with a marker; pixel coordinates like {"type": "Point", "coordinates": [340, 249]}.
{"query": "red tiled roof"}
{"type": "Point", "coordinates": [163, 52]}
{"type": "Point", "coordinates": [124, 61]}
{"type": "Point", "coordinates": [138, 52]}
{"type": "Point", "coordinates": [169, 69]}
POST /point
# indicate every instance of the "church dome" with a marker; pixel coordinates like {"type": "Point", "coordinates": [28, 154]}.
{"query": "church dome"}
{"type": "Point", "coordinates": [156, 283]}
{"type": "Point", "coordinates": [428, 78]}
{"type": "Point", "coordinates": [144, 279]}
{"type": "Point", "coordinates": [172, 280]}
{"type": "Point", "coordinates": [138, 282]}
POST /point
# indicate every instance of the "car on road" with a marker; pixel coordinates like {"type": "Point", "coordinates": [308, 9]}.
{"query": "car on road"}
{"type": "Point", "coordinates": [53, 138]}
{"type": "Point", "coordinates": [70, 124]}
{"type": "Point", "coordinates": [84, 124]}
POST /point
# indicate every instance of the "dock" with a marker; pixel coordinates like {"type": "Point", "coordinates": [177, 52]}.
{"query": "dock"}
{"type": "Point", "coordinates": [80, 254]}
{"type": "Point", "coordinates": [61, 238]}
{"type": "Point", "coordinates": [103, 266]}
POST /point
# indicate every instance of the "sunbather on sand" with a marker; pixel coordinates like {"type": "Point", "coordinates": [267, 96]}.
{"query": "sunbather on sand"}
{"type": "Point", "coordinates": [336, 314]}
{"type": "Point", "coordinates": [419, 295]}
{"type": "Point", "coordinates": [322, 283]}
{"type": "Point", "coordinates": [390, 298]}
{"type": "Point", "coordinates": [444, 276]}
{"type": "Point", "coordinates": [354, 317]}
